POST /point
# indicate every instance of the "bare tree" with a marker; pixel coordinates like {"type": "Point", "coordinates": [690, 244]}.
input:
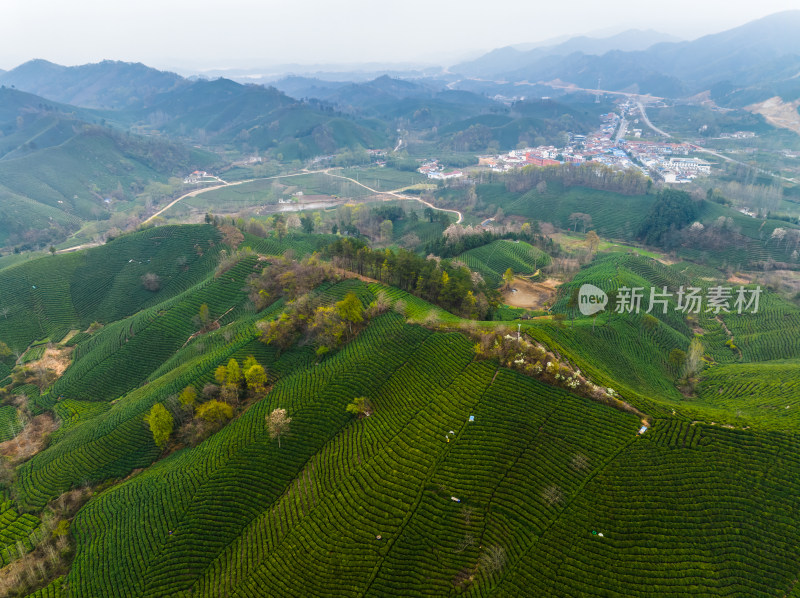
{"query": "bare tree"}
{"type": "Point", "coordinates": [278, 424]}
{"type": "Point", "coordinates": [493, 559]}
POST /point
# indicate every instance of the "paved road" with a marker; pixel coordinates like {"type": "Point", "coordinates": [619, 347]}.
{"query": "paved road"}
{"type": "Point", "coordinates": [197, 192]}
{"type": "Point", "coordinates": [623, 127]}
{"type": "Point", "coordinates": [400, 196]}
{"type": "Point", "coordinates": [647, 121]}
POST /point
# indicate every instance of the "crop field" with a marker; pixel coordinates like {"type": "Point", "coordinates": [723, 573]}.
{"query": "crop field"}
{"type": "Point", "coordinates": [17, 532]}
{"type": "Point", "coordinates": [48, 297]}
{"type": "Point", "coordinates": [9, 422]}
{"type": "Point", "coordinates": [698, 509]}
{"type": "Point", "coordinates": [491, 261]}
{"type": "Point", "coordinates": [298, 243]}
{"type": "Point", "coordinates": [766, 392]}
{"type": "Point", "coordinates": [467, 478]}
{"type": "Point", "coordinates": [613, 215]}
{"type": "Point", "coordinates": [105, 366]}
{"type": "Point", "coordinates": [384, 179]}
{"type": "Point", "coordinates": [368, 507]}
{"type": "Point", "coordinates": [423, 230]}
{"type": "Point", "coordinates": [322, 184]}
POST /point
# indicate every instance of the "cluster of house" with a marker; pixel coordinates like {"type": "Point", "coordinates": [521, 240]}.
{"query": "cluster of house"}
{"type": "Point", "coordinates": [599, 147]}
{"type": "Point", "coordinates": [667, 161]}
{"type": "Point", "coordinates": [433, 170]}
{"type": "Point", "coordinates": [196, 177]}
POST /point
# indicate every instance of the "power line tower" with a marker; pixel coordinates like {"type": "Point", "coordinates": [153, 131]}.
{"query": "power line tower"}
{"type": "Point", "coordinates": [597, 95]}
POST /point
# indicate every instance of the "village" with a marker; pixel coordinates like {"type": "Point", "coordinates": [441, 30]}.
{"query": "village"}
{"type": "Point", "coordinates": [610, 145]}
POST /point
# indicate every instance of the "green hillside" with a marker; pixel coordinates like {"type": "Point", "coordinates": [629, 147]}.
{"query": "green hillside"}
{"type": "Point", "coordinates": [613, 215]}
{"type": "Point", "coordinates": [223, 111]}
{"type": "Point", "coordinates": [57, 171]}
{"type": "Point", "coordinates": [468, 477]}
{"type": "Point", "coordinates": [48, 297]}
{"type": "Point", "coordinates": [492, 260]}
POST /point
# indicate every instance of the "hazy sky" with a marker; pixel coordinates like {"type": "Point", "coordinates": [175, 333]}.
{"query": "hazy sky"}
{"type": "Point", "coordinates": [201, 34]}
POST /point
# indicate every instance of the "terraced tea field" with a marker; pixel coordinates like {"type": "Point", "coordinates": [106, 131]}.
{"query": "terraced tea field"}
{"type": "Point", "coordinates": [466, 479]}
{"type": "Point", "coordinates": [491, 261]}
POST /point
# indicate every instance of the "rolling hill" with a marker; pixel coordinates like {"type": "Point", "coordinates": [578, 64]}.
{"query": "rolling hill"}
{"type": "Point", "coordinates": [468, 477]}
{"type": "Point", "coordinates": [107, 85]}
{"type": "Point", "coordinates": [57, 169]}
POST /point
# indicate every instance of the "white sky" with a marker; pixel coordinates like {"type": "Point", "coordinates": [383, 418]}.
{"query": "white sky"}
{"type": "Point", "coordinates": [201, 34]}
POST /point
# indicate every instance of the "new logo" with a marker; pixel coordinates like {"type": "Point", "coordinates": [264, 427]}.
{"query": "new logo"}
{"type": "Point", "coordinates": [591, 300]}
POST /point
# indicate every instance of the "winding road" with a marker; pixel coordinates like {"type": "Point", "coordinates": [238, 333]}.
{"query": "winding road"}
{"type": "Point", "coordinates": [396, 194]}
{"type": "Point", "coordinates": [327, 172]}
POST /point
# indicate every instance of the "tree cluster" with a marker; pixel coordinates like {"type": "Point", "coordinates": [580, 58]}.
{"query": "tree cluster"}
{"type": "Point", "coordinates": [671, 211]}
{"type": "Point", "coordinates": [235, 380]}
{"type": "Point", "coordinates": [457, 239]}
{"type": "Point", "coordinates": [588, 174]}
{"type": "Point", "coordinates": [327, 326]}
{"type": "Point", "coordinates": [288, 278]}
{"type": "Point", "coordinates": [436, 281]}
{"type": "Point", "coordinates": [197, 421]}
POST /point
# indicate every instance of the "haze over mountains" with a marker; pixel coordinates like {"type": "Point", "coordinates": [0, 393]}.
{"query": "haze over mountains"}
{"type": "Point", "coordinates": [145, 121]}
{"type": "Point", "coordinates": [761, 53]}
{"type": "Point", "coordinates": [752, 62]}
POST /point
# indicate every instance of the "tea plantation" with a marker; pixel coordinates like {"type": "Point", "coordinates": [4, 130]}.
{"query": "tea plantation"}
{"type": "Point", "coordinates": [465, 478]}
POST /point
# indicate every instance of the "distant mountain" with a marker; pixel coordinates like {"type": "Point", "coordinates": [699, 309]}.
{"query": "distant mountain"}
{"type": "Point", "coordinates": [262, 118]}
{"type": "Point", "coordinates": [356, 93]}
{"type": "Point", "coordinates": [518, 56]}
{"type": "Point", "coordinates": [627, 41]}
{"type": "Point", "coordinates": [756, 55]}
{"type": "Point", "coordinates": [357, 73]}
{"type": "Point", "coordinates": [105, 85]}
{"type": "Point", "coordinates": [57, 170]}
{"type": "Point", "coordinates": [307, 87]}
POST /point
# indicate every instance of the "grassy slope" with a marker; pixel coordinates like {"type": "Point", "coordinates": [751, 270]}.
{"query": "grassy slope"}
{"type": "Point", "coordinates": [638, 362]}
{"type": "Point", "coordinates": [613, 215]}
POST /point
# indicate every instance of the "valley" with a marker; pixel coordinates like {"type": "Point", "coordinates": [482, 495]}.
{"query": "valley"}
{"type": "Point", "coordinates": [527, 324]}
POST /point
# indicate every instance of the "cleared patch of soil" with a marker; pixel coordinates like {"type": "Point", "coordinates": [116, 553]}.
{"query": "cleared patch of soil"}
{"type": "Point", "coordinates": [531, 295]}
{"type": "Point", "coordinates": [778, 113]}
{"type": "Point", "coordinates": [31, 440]}
{"type": "Point", "coordinates": [738, 280]}
{"type": "Point", "coordinates": [55, 359]}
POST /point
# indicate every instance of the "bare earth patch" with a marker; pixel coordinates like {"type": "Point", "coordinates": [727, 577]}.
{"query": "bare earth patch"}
{"type": "Point", "coordinates": [778, 113]}
{"type": "Point", "coordinates": [31, 440]}
{"type": "Point", "coordinates": [55, 359]}
{"type": "Point", "coordinates": [531, 295]}
{"type": "Point", "coordinates": [738, 279]}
